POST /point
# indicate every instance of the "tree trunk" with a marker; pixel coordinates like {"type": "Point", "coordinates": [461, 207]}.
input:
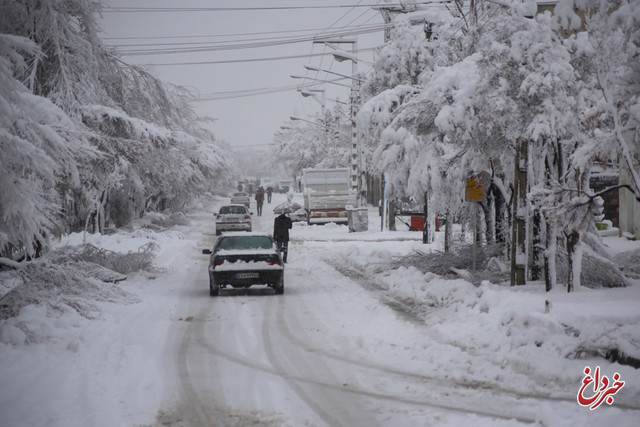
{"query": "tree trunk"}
{"type": "Point", "coordinates": [501, 225]}
{"type": "Point", "coordinates": [488, 219]}
{"type": "Point", "coordinates": [448, 230]}
{"type": "Point", "coordinates": [550, 256]}
{"type": "Point", "coordinates": [537, 250]}
{"type": "Point", "coordinates": [519, 212]}
{"type": "Point", "coordinates": [575, 260]}
{"type": "Point", "coordinates": [477, 222]}
{"type": "Point", "coordinates": [425, 228]}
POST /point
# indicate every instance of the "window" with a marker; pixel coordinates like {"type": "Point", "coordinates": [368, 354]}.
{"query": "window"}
{"type": "Point", "coordinates": [226, 210]}
{"type": "Point", "coordinates": [245, 242]}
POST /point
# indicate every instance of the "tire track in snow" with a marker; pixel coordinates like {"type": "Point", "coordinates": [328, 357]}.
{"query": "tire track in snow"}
{"type": "Point", "coordinates": [420, 379]}
{"type": "Point", "coordinates": [326, 399]}
{"type": "Point", "coordinates": [406, 312]}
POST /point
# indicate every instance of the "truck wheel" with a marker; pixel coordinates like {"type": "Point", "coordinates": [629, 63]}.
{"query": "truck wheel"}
{"type": "Point", "coordinates": [214, 288]}
{"type": "Point", "coordinates": [279, 287]}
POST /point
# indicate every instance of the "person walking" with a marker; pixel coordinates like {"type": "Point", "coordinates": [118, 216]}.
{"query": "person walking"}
{"type": "Point", "coordinates": [281, 226]}
{"type": "Point", "coordinates": [269, 192]}
{"type": "Point", "coordinates": [260, 199]}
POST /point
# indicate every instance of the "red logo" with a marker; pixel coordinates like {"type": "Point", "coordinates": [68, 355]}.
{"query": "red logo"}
{"type": "Point", "coordinates": [601, 391]}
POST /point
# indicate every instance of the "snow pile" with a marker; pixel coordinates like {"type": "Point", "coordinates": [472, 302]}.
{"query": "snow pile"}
{"type": "Point", "coordinates": [506, 331]}
{"type": "Point", "coordinates": [63, 284]}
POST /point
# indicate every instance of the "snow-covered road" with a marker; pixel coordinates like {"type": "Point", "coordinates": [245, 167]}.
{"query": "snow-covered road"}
{"type": "Point", "coordinates": [305, 358]}
{"type": "Point", "coordinates": [352, 342]}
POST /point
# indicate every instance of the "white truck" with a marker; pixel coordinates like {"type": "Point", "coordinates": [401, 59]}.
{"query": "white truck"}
{"type": "Point", "coordinates": [327, 194]}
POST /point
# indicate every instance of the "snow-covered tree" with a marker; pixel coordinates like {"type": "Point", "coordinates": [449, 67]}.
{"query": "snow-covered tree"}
{"type": "Point", "coordinates": [607, 54]}
{"type": "Point", "coordinates": [456, 104]}
{"type": "Point", "coordinates": [40, 147]}
{"type": "Point", "coordinates": [88, 136]}
{"type": "Point", "coordinates": [325, 142]}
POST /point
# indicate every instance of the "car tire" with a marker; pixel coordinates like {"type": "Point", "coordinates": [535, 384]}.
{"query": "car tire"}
{"type": "Point", "coordinates": [279, 287]}
{"type": "Point", "coordinates": [214, 288]}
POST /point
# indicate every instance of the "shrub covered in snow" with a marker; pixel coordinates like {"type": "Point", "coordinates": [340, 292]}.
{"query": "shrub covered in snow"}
{"type": "Point", "coordinates": [69, 280]}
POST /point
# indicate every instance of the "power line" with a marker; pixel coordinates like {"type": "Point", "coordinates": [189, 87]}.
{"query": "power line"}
{"type": "Point", "coordinates": [201, 36]}
{"type": "Point", "coordinates": [210, 47]}
{"type": "Point", "coordinates": [334, 23]}
{"type": "Point", "coordinates": [213, 35]}
{"type": "Point", "coordinates": [130, 9]}
{"type": "Point", "coordinates": [235, 61]}
{"type": "Point", "coordinates": [216, 96]}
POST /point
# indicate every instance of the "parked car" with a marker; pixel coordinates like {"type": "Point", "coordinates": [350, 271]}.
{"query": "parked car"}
{"type": "Point", "coordinates": [241, 198]}
{"type": "Point", "coordinates": [233, 218]}
{"type": "Point", "coordinates": [242, 260]}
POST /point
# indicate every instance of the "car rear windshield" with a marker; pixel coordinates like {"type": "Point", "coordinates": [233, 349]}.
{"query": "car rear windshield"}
{"type": "Point", "coordinates": [240, 194]}
{"type": "Point", "coordinates": [245, 242]}
{"type": "Point", "coordinates": [225, 210]}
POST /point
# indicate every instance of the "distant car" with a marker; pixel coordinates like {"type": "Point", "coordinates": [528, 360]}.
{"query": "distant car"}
{"type": "Point", "coordinates": [293, 211]}
{"type": "Point", "coordinates": [242, 260]}
{"type": "Point", "coordinates": [298, 216]}
{"type": "Point", "coordinates": [241, 198]}
{"type": "Point", "coordinates": [233, 218]}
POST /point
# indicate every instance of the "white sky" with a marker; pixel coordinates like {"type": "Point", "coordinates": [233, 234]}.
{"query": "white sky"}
{"type": "Point", "coordinates": [250, 120]}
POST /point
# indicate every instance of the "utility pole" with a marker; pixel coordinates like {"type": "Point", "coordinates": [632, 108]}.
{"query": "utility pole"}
{"type": "Point", "coordinates": [519, 212]}
{"type": "Point", "coordinates": [356, 160]}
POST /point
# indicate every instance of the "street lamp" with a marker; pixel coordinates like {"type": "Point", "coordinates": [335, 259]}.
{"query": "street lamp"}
{"type": "Point", "coordinates": [357, 154]}
{"type": "Point", "coordinates": [310, 68]}
{"type": "Point", "coordinates": [334, 81]}
{"type": "Point", "coordinates": [313, 94]}
{"type": "Point", "coordinates": [293, 118]}
{"type": "Point", "coordinates": [309, 92]}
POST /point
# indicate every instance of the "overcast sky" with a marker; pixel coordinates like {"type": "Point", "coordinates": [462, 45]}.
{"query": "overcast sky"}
{"type": "Point", "coordinates": [249, 120]}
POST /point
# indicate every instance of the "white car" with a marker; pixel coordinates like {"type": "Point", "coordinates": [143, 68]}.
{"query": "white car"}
{"type": "Point", "coordinates": [233, 218]}
{"type": "Point", "coordinates": [242, 260]}
{"type": "Point", "coordinates": [241, 198]}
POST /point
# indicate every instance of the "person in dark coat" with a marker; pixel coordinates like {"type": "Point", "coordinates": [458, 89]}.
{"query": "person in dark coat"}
{"type": "Point", "coordinates": [260, 199]}
{"type": "Point", "coordinates": [281, 226]}
{"type": "Point", "coordinates": [269, 192]}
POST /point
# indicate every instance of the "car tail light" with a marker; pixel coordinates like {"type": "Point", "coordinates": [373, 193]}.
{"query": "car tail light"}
{"type": "Point", "coordinates": [218, 217]}
{"type": "Point", "coordinates": [218, 262]}
{"type": "Point", "coordinates": [274, 262]}
{"type": "Point", "coordinates": [247, 217]}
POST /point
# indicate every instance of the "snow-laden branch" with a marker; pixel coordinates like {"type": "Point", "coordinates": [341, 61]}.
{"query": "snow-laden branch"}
{"type": "Point", "coordinates": [11, 263]}
{"type": "Point", "coordinates": [624, 148]}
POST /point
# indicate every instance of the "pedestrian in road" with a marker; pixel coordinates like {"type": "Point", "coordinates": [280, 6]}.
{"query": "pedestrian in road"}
{"type": "Point", "coordinates": [260, 199]}
{"type": "Point", "coordinates": [281, 226]}
{"type": "Point", "coordinates": [239, 186]}
{"type": "Point", "coordinates": [269, 192]}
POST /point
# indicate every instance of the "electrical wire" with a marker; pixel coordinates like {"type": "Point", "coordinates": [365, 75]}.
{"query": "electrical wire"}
{"type": "Point", "coordinates": [306, 30]}
{"type": "Point", "coordinates": [331, 26]}
{"type": "Point", "coordinates": [368, 27]}
{"type": "Point", "coordinates": [234, 61]}
{"type": "Point", "coordinates": [217, 96]}
{"type": "Point", "coordinates": [132, 9]}
{"type": "Point", "coordinates": [352, 21]}
{"type": "Point", "coordinates": [209, 47]}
